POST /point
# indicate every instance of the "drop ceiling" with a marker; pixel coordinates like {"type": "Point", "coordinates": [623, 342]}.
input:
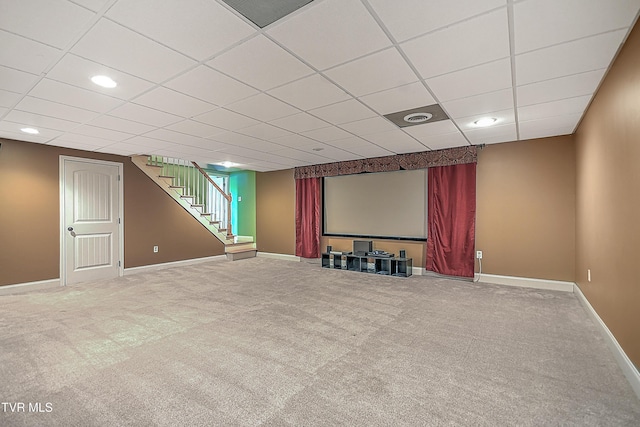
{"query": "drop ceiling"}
{"type": "Point", "coordinates": [199, 81]}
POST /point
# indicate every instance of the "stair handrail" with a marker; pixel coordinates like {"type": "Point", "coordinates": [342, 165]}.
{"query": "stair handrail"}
{"type": "Point", "coordinates": [228, 196]}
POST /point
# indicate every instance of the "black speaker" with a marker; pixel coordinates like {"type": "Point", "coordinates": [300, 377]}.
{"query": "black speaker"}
{"type": "Point", "coordinates": [403, 253]}
{"type": "Point", "coordinates": [329, 249]}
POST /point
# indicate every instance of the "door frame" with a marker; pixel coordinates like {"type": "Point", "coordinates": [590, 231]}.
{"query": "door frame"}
{"type": "Point", "coordinates": [63, 228]}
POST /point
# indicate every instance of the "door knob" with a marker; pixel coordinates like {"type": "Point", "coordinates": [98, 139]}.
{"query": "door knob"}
{"type": "Point", "coordinates": [70, 230]}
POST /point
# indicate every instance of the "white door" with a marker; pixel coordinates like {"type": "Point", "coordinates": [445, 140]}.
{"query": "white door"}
{"type": "Point", "coordinates": [90, 220]}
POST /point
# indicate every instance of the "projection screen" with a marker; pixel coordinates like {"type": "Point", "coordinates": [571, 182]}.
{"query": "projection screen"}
{"type": "Point", "coordinates": [385, 204]}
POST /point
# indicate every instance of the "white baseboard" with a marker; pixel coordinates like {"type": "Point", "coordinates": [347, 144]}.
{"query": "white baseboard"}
{"type": "Point", "coordinates": [417, 271]}
{"type": "Point", "coordinates": [284, 257]}
{"type": "Point", "coordinates": [629, 370]}
{"type": "Point", "coordinates": [29, 286]}
{"type": "Point", "coordinates": [525, 282]}
{"type": "Point", "coordinates": [162, 266]}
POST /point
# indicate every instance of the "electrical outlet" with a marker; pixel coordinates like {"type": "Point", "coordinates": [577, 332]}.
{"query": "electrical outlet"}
{"type": "Point", "coordinates": [479, 254]}
{"type": "Point", "coordinates": [155, 249]}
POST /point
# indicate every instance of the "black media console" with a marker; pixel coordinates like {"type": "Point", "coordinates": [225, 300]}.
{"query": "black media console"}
{"type": "Point", "coordinates": [387, 265]}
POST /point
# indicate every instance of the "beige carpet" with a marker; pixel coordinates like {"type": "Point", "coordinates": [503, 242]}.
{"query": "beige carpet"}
{"type": "Point", "coordinates": [278, 343]}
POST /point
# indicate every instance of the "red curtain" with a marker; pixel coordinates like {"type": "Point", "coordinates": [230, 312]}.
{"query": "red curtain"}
{"type": "Point", "coordinates": [452, 220]}
{"type": "Point", "coordinates": [308, 217]}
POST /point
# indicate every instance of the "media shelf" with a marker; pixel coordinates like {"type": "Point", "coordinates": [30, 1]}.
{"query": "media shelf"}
{"type": "Point", "coordinates": [390, 266]}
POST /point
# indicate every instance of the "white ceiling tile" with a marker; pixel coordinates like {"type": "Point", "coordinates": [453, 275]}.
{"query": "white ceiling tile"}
{"type": "Point", "coordinates": [399, 98]}
{"type": "Point", "coordinates": [12, 130]}
{"type": "Point", "coordinates": [55, 23]}
{"type": "Point", "coordinates": [116, 123]}
{"type": "Point", "coordinates": [211, 26]}
{"type": "Point", "coordinates": [410, 18]}
{"type": "Point", "coordinates": [174, 102]}
{"type": "Point", "coordinates": [330, 33]}
{"type": "Point", "coordinates": [225, 119]}
{"type": "Point", "coordinates": [53, 109]}
{"type": "Point", "coordinates": [343, 112]}
{"type": "Point", "coordinates": [264, 131]}
{"type": "Point", "coordinates": [337, 155]}
{"type": "Point", "coordinates": [349, 143]}
{"type": "Point", "coordinates": [191, 127]}
{"type": "Point", "coordinates": [299, 122]}
{"type": "Point", "coordinates": [447, 140]}
{"type": "Point", "coordinates": [559, 125]}
{"type": "Point", "coordinates": [373, 73]}
{"type": "Point", "coordinates": [292, 153]}
{"type": "Point", "coordinates": [211, 86]}
{"type": "Point", "coordinates": [503, 117]}
{"type": "Point", "coordinates": [63, 93]}
{"type": "Point", "coordinates": [396, 141]}
{"type": "Point", "coordinates": [296, 141]}
{"type": "Point", "coordinates": [562, 87]}
{"type": "Point", "coordinates": [181, 138]}
{"type": "Point", "coordinates": [121, 148]}
{"type": "Point", "coordinates": [371, 151]}
{"type": "Point", "coordinates": [108, 134]}
{"type": "Point", "coordinates": [369, 126]}
{"type": "Point", "coordinates": [476, 41]}
{"type": "Point", "coordinates": [94, 5]}
{"type": "Point", "coordinates": [26, 55]}
{"type": "Point", "coordinates": [430, 129]}
{"type": "Point", "coordinates": [555, 108]}
{"type": "Point", "coordinates": [234, 138]}
{"type": "Point", "coordinates": [472, 81]}
{"type": "Point", "coordinates": [152, 144]}
{"type": "Point", "coordinates": [543, 23]}
{"type": "Point", "coordinates": [587, 54]}
{"type": "Point", "coordinates": [261, 63]}
{"type": "Point", "coordinates": [142, 57]}
{"type": "Point", "coordinates": [78, 71]}
{"type": "Point", "coordinates": [263, 107]}
{"type": "Point", "coordinates": [39, 121]}
{"type": "Point", "coordinates": [480, 104]}
{"type": "Point", "coordinates": [310, 92]}
{"type": "Point", "coordinates": [492, 134]}
{"type": "Point", "coordinates": [141, 114]}
{"type": "Point", "coordinates": [61, 142]}
{"type": "Point", "coordinates": [84, 139]}
{"type": "Point", "coordinates": [7, 99]}
{"type": "Point", "coordinates": [16, 81]}
{"type": "Point", "coordinates": [327, 134]}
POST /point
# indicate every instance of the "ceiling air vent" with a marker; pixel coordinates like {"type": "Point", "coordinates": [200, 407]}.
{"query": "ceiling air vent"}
{"type": "Point", "coordinates": [418, 116]}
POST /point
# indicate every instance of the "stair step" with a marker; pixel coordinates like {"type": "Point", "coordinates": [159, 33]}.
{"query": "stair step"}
{"type": "Point", "coordinates": [177, 186]}
{"type": "Point", "coordinates": [154, 166]}
{"type": "Point", "coordinates": [166, 176]}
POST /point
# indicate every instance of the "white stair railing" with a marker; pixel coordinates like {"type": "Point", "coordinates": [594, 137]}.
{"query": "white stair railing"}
{"type": "Point", "coordinates": [196, 186]}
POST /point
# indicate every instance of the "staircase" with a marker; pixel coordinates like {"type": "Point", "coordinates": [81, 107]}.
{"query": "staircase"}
{"type": "Point", "coordinates": [189, 185]}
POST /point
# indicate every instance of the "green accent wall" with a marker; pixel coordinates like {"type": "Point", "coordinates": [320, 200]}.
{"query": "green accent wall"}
{"type": "Point", "coordinates": [243, 213]}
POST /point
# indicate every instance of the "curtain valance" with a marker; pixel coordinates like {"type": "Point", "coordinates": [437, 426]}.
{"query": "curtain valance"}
{"type": "Point", "coordinates": [421, 160]}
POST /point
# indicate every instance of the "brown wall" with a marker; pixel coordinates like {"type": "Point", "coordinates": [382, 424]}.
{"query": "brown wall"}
{"type": "Point", "coordinates": [275, 212]}
{"type": "Point", "coordinates": [526, 208]}
{"type": "Point", "coordinates": [608, 199]}
{"type": "Point", "coordinates": [30, 216]}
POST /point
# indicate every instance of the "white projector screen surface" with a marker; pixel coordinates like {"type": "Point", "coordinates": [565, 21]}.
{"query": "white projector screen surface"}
{"type": "Point", "coordinates": [385, 204]}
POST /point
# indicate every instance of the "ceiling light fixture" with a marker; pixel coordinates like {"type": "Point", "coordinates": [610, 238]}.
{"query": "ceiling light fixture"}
{"type": "Point", "coordinates": [485, 121]}
{"type": "Point", "coordinates": [30, 131]}
{"type": "Point", "coordinates": [417, 117]}
{"type": "Point", "coordinates": [227, 164]}
{"type": "Point", "coordinates": [104, 81]}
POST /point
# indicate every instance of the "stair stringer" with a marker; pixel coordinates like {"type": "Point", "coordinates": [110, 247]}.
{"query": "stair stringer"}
{"type": "Point", "coordinates": [233, 244]}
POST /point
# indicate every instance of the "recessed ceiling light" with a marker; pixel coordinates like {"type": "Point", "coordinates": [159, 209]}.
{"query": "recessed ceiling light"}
{"type": "Point", "coordinates": [485, 121]}
{"type": "Point", "coordinates": [228, 164]}
{"type": "Point", "coordinates": [30, 131]}
{"type": "Point", "coordinates": [417, 117]}
{"type": "Point", "coordinates": [104, 81]}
